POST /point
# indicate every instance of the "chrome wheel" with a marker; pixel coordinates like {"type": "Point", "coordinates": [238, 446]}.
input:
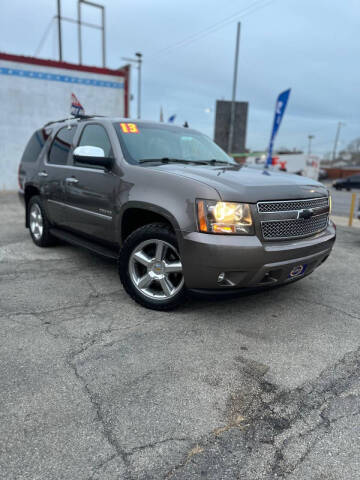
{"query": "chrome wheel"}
{"type": "Point", "coordinates": [155, 270]}
{"type": "Point", "coordinates": [36, 221]}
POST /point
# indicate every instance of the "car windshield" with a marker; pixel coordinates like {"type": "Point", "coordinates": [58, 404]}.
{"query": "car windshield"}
{"type": "Point", "coordinates": [146, 143]}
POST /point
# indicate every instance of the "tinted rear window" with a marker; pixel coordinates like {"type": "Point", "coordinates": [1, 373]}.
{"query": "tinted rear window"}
{"type": "Point", "coordinates": [61, 146]}
{"type": "Point", "coordinates": [34, 146]}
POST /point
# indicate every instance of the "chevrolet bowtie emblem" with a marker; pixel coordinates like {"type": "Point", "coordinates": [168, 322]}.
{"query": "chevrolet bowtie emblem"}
{"type": "Point", "coordinates": [306, 213]}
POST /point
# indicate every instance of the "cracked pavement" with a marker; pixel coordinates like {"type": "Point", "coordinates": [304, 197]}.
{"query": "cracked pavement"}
{"type": "Point", "coordinates": [93, 386]}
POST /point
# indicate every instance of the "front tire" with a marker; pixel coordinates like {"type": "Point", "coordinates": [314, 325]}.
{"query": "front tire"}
{"type": "Point", "coordinates": [150, 268]}
{"type": "Point", "coordinates": [39, 225]}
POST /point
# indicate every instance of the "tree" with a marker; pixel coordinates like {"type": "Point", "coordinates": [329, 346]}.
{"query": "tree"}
{"type": "Point", "coordinates": [352, 152]}
{"type": "Point", "coordinates": [354, 146]}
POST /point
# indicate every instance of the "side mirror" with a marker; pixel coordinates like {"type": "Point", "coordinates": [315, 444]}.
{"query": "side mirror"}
{"type": "Point", "coordinates": [90, 155]}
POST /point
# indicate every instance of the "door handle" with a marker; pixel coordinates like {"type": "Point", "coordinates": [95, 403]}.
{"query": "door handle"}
{"type": "Point", "coordinates": [42, 174]}
{"type": "Point", "coordinates": [71, 180]}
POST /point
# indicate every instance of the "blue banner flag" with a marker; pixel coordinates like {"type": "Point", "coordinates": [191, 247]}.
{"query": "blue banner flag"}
{"type": "Point", "coordinates": [172, 118]}
{"type": "Point", "coordinates": [281, 103]}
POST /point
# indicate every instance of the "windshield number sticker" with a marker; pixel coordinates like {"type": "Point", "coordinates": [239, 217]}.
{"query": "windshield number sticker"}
{"type": "Point", "coordinates": [129, 128]}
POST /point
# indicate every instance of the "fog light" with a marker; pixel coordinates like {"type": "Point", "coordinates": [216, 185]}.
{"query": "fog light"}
{"type": "Point", "coordinates": [221, 277]}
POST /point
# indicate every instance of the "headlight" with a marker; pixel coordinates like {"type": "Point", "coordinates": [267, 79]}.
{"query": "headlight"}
{"type": "Point", "coordinates": [224, 217]}
{"type": "Point", "coordinates": [330, 204]}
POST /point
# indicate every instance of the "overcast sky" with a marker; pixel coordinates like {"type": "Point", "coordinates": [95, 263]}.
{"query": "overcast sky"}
{"type": "Point", "coordinates": [312, 46]}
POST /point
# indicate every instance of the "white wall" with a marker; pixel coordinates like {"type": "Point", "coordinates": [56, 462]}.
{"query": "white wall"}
{"type": "Point", "coordinates": [27, 102]}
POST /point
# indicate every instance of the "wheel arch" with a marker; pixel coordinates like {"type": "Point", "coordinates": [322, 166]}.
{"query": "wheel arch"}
{"type": "Point", "coordinates": [29, 192]}
{"type": "Point", "coordinates": [137, 214]}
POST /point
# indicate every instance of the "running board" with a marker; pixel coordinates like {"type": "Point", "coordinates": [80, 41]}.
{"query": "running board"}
{"type": "Point", "coordinates": [81, 242]}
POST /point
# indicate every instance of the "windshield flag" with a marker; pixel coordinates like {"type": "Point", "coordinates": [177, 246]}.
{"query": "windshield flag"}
{"type": "Point", "coordinates": [281, 103]}
{"type": "Point", "coordinates": [76, 108]}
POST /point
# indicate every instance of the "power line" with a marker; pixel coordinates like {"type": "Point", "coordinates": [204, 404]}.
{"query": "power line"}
{"type": "Point", "coordinates": [209, 29]}
{"type": "Point", "coordinates": [258, 4]}
{"type": "Point", "coordinates": [231, 21]}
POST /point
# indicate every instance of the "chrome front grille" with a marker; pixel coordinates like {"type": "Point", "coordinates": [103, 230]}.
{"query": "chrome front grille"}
{"type": "Point", "coordinates": [282, 220]}
{"type": "Point", "coordinates": [287, 206]}
{"type": "Point", "coordinates": [284, 229]}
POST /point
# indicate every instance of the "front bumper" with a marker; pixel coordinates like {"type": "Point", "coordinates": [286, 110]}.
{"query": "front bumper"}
{"type": "Point", "coordinates": [246, 261]}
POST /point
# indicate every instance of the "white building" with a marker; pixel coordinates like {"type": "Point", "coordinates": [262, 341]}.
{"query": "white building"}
{"type": "Point", "coordinates": [299, 163]}
{"type": "Point", "coordinates": [35, 91]}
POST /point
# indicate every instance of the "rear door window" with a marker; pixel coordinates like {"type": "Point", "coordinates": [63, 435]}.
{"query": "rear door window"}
{"type": "Point", "coordinates": [61, 146]}
{"type": "Point", "coordinates": [34, 146]}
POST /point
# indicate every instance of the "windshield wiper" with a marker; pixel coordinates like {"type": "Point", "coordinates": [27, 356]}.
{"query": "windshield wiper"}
{"type": "Point", "coordinates": [171, 160]}
{"type": "Point", "coordinates": [214, 161]}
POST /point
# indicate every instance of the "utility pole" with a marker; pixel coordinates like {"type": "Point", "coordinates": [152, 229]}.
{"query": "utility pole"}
{"type": "Point", "coordinates": [337, 136]}
{"type": "Point", "coordinates": [310, 137]}
{"type": "Point", "coordinates": [59, 29]}
{"type": "Point", "coordinates": [233, 105]}
{"type": "Point", "coordinates": [138, 61]}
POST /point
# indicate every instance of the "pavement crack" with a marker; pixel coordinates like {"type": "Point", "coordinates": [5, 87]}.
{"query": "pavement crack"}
{"type": "Point", "coordinates": [101, 465]}
{"type": "Point", "coordinates": [94, 399]}
{"type": "Point", "coordinates": [157, 443]}
{"type": "Point", "coordinates": [196, 450]}
{"type": "Point", "coordinates": [285, 425]}
{"type": "Point", "coordinates": [100, 298]}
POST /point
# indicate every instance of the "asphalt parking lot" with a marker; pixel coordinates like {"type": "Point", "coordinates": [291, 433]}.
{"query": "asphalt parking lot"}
{"type": "Point", "coordinates": [93, 386]}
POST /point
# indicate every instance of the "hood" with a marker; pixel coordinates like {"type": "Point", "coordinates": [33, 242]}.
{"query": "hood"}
{"type": "Point", "coordinates": [246, 184]}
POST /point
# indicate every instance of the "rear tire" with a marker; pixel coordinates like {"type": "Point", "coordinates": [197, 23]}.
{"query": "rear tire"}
{"type": "Point", "coordinates": [39, 224]}
{"type": "Point", "coordinates": [150, 268]}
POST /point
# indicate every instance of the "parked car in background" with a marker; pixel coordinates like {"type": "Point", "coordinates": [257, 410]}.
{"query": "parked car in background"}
{"type": "Point", "coordinates": [347, 183]}
{"type": "Point", "coordinates": [323, 175]}
{"type": "Point", "coordinates": [172, 208]}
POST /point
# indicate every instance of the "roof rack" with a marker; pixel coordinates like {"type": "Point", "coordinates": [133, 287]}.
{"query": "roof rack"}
{"type": "Point", "coordinates": [85, 117]}
{"type": "Point", "coordinates": [80, 117]}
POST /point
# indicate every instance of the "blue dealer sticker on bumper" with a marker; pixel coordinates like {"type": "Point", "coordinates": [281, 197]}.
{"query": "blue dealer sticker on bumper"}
{"type": "Point", "coordinates": [297, 271]}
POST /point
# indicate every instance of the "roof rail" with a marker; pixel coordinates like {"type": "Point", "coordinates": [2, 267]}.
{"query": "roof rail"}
{"type": "Point", "coordinates": [85, 117]}
{"type": "Point", "coordinates": [81, 117]}
{"type": "Point", "coordinates": [58, 121]}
